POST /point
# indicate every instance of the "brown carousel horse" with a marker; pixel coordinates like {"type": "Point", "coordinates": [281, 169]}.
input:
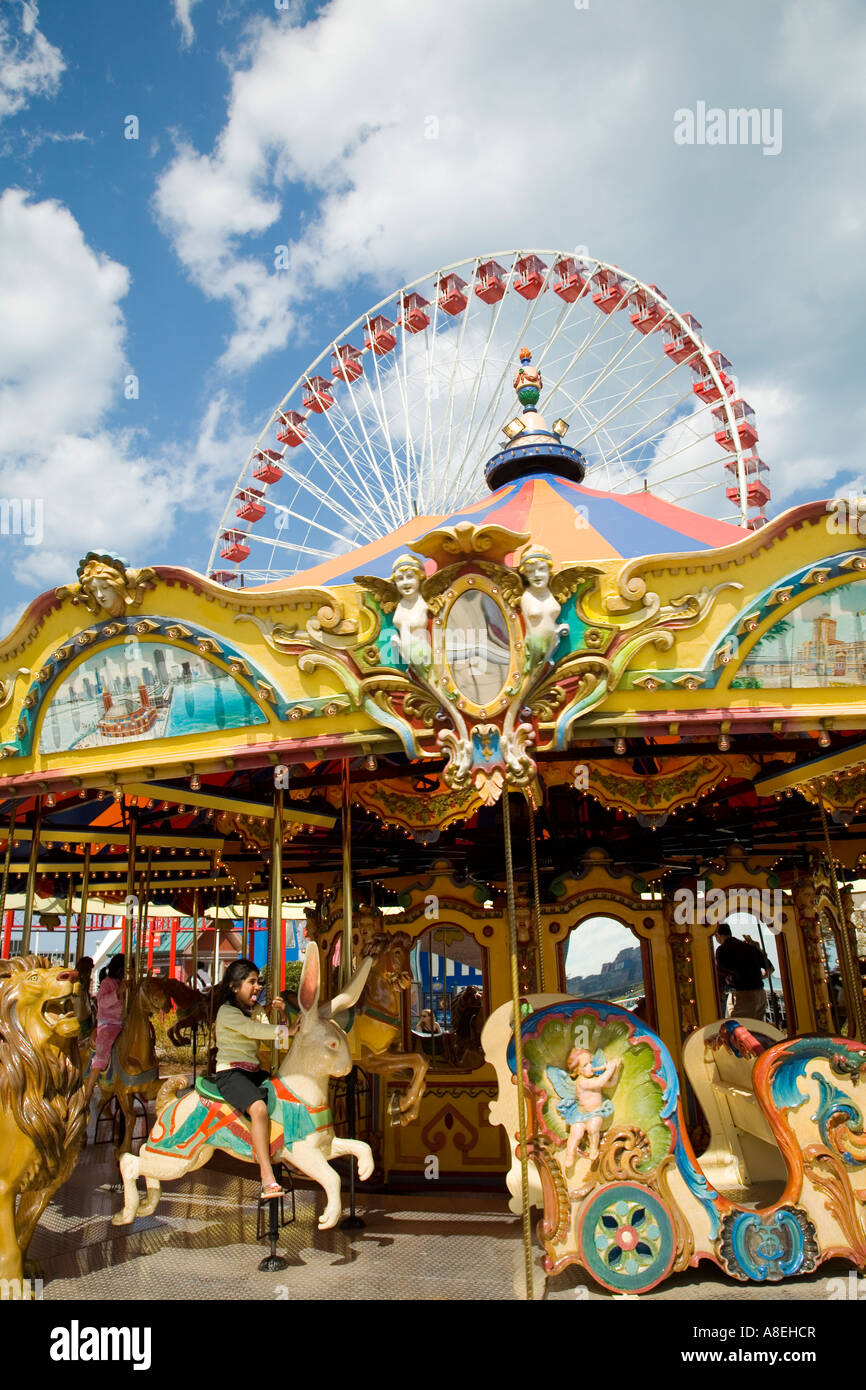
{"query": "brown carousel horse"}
{"type": "Point", "coordinates": [134, 1066]}
{"type": "Point", "coordinates": [377, 1022]}
{"type": "Point", "coordinates": [194, 1008]}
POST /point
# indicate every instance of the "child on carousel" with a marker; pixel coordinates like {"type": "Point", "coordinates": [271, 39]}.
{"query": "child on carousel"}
{"type": "Point", "coordinates": [109, 1021]}
{"type": "Point", "coordinates": [239, 1076]}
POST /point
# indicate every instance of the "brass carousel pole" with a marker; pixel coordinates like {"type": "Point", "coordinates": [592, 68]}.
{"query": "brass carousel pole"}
{"type": "Point", "coordinates": [7, 861]}
{"type": "Point", "coordinates": [245, 930]}
{"type": "Point", "coordinates": [143, 909]}
{"type": "Point", "coordinates": [352, 1222]}
{"type": "Point", "coordinates": [82, 912]}
{"type": "Point", "coordinates": [31, 878]}
{"type": "Point", "coordinates": [215, 972]}
{"type": "Point", "coordinates": [130, 895]}
{"type": "Point", "coordinates": [518, 1047]}
{"type": "Point", "coordinates": [67, 939]}
{"type": "Point", "coordinates": [275, 905]}
{"type": "Point", "coordinates": [847, 958]}
{"type": "Point", "coordinates": [195, 983]}
{"type": "Point", "coordinates": [195, 980]}
{"type": "Point", "coordinates": [536, 900]}
{"type": "Point", "coordinates": [346, 829]}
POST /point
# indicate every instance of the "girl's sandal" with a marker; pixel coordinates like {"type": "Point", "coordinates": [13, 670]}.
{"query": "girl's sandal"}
{"type": "Point", "coordinates": [273, 1189]}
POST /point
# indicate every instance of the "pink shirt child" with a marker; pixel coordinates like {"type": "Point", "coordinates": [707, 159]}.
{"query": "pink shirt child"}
{"type": "Point", "coordinates": [109, 1011]}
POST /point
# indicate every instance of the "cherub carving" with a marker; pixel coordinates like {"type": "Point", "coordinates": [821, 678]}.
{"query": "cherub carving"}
{"type": "Point", "coordinates": [537, 604]}
{"type": "Point", "coordinates": [105, 585]}
{"type": "Point", "coordinates": [403, 596]}
{"type": "Point", "coordinates": [542, 597]}
{"type": "Point", "coordinates": [581, 1103]}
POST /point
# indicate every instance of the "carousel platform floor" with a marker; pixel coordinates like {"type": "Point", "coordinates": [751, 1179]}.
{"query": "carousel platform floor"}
{"type": "Point", "coordinates": [201, 1244]}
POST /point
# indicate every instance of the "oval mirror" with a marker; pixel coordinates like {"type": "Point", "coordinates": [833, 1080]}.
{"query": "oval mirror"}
{"type": "Point", "coordinates": [477, 647]}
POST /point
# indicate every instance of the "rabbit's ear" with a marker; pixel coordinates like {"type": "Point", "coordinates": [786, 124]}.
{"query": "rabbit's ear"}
{"type": "Point", "coordinates": [308, 989]}
{"type": "Point", "coordinates": [348, 997]}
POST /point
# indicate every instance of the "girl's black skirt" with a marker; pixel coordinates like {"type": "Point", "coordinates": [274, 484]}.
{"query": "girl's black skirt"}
{"type": "Point", "coordinates": [240, 1088]}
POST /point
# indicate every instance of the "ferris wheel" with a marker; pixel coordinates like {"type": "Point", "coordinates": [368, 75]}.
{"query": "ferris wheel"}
{"type": "Point", "coordinates": [397, 416]}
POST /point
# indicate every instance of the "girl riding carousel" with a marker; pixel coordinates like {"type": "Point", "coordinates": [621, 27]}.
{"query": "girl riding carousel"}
{"type": "Point", "coordinates": [239, 1075]}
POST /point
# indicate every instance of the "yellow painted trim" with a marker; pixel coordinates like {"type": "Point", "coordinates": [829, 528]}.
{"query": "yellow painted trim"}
{"type": "Point", "coordinates": [811, 771]}
{"type": "Point", "coordinates": [96, 836]}
{"type": "Point", "coordinates": [237, 806]}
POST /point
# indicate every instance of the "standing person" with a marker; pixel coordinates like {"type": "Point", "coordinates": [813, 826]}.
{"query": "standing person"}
{"type": "Point", "coordinates": [109, 1021]}
{"type": "Point", "coordinates": [84, 1003]}
{"type": "Point", "coordinates": [239, 1076]}
{"type": "Point", "coordinates": [741, 970]}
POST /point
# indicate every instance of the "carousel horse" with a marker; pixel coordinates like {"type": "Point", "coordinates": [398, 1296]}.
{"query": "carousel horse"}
{"type": "Point", "coordinates": [42, 1112]}
{"type": "Point", "coordinates": [190, 1126]}
{"type": "Point", "coordinates": [134, 1067]}
{"type": "Point", "coordinates": [377, 1021]}
{"type": "Point", "coordinates": [194, 1010]}
{"type": "Point", "coordinates": [464, 1042]}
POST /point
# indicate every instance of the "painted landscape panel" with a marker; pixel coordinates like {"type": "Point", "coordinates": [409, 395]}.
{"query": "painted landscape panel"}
{"type": "Point", "coordinates": [149, 692]}
{"type": "Point", "coordinates": [821, 643]}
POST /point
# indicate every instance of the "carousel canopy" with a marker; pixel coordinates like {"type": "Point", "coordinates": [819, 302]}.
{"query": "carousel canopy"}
{"type": "Point", "coordinates": [576, 523]}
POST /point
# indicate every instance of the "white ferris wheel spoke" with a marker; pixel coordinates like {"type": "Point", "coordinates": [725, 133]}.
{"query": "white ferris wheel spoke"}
{"type": "Point", "coordinates": [350, 459]}
{"type": "Point", "coordinates": [370, 453]}
{"type": "Point", "coordinates": [480, 376]}
{"type": "Point", "coordinates": [383, 421]}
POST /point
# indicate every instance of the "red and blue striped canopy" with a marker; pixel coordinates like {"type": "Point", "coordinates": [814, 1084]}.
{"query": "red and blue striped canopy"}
{"type": "Point", "coordinates": [574, 522]}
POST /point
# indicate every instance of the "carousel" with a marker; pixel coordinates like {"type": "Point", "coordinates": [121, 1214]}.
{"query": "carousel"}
{"type": "Point", "coordinates": [450, 749]}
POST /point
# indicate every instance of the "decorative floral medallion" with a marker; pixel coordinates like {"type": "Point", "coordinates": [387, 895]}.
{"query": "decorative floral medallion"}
{"type": "Point", "coordinates": [626, 1238]}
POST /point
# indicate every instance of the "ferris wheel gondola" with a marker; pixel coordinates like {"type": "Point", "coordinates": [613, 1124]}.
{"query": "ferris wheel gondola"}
{"type": "Point", "coordinates": [397, 416]}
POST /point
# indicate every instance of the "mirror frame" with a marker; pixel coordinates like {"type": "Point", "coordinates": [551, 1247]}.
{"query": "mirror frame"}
{"type": "Point", "coordinates": [478, 583]}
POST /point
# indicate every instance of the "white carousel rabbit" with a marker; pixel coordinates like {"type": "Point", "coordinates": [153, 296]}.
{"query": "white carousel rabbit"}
{"type": "Point", "coordinates": [189, 1128]}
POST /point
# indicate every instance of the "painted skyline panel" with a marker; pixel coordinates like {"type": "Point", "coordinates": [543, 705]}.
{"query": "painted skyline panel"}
{"type": "Point", "coordinates": [148, 692]}
{"type": "Point", "coordinates": [822, 643]}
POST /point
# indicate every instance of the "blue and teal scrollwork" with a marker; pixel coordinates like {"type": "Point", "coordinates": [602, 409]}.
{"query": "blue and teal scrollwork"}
{"type": "Point", "coordinates": [768, 1246]}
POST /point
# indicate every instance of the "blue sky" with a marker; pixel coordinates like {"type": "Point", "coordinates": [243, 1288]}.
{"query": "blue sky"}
{"type": "Point", "coordinates": [304, 126]}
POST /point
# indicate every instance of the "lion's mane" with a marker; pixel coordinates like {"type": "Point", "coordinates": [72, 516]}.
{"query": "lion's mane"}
{"type": "Point", "coordinates": [41, 1088]}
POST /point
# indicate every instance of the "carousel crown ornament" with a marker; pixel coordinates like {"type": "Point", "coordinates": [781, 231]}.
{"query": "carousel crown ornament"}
{"type": "Point", "coordinates": [107, 585]}
{"type": "Point", "coordinates": [527, 381]}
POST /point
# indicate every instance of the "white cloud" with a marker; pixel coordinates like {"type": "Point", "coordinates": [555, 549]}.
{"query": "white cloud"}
{"type": "Point", "coordinates": [183, 17]}
{"type": "Point", "coordinates": [341, 109]}
{"type": "Point", "coordinates": [62, 368]}
{"type": "Point", "coordinates": [62, 332]}
{"type": "Point", "coordinates": [30, 66]}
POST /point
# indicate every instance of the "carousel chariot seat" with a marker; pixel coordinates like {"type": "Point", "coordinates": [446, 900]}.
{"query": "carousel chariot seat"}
{"type": "Point", "coordinates": [779, 1190]}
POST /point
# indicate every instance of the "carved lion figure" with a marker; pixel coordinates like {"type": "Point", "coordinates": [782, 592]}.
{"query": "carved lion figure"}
{"type": "Point", "coordinates": [42, 1112]}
